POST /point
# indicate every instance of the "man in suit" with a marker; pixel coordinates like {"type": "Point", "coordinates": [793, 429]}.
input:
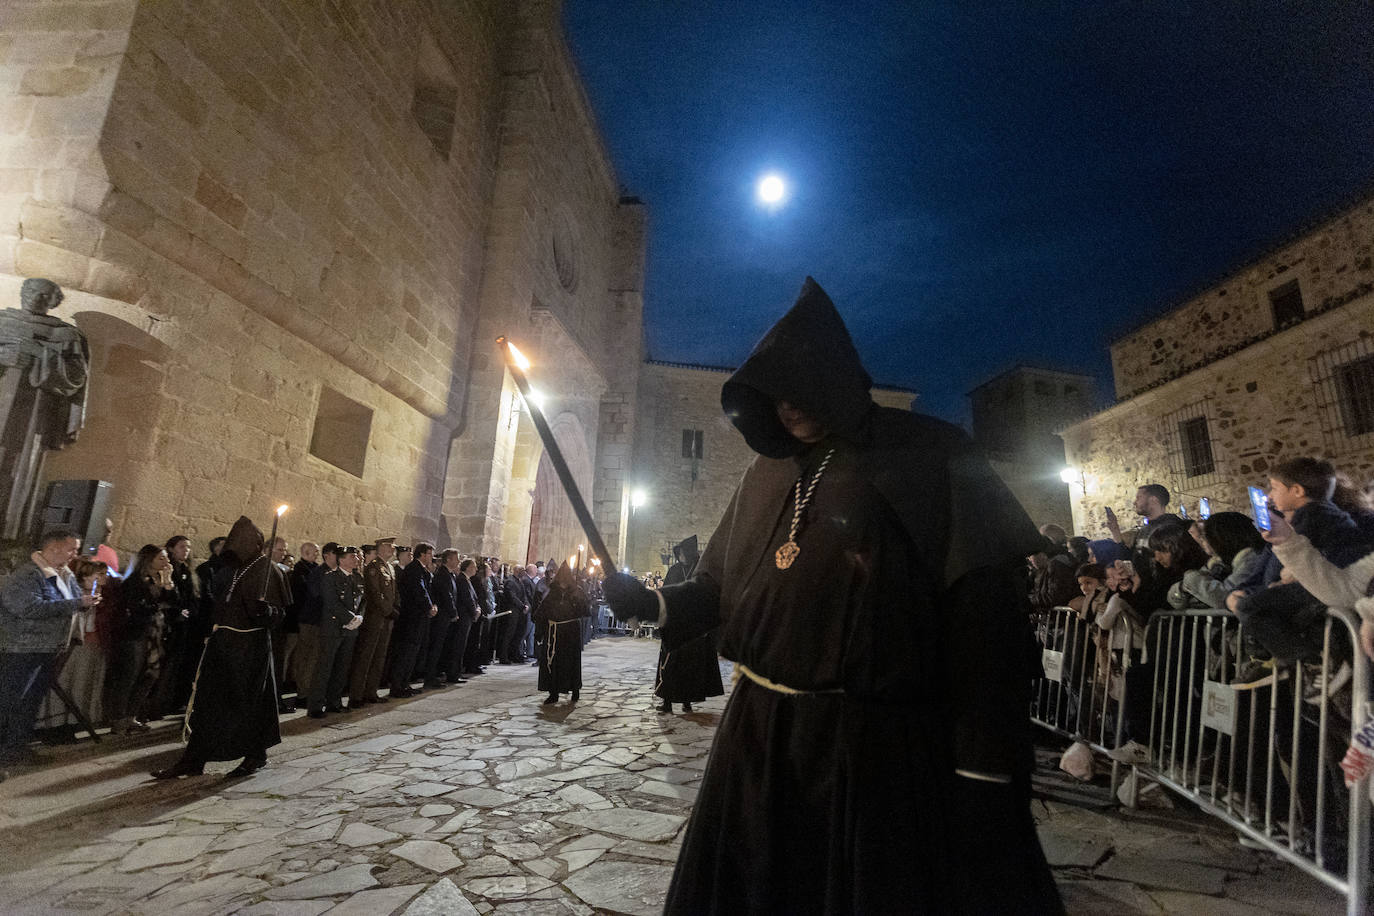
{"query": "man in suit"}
{"type": "Point", "coordinates": [417, 607]}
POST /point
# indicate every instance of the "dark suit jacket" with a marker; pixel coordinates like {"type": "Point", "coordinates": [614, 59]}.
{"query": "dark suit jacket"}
{"type": "Point", "coordinates": [445, 593]}
{"type": "Point", "coordinates": [416, 600]}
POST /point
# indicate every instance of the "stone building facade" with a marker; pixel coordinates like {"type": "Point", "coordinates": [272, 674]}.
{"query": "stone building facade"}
{"type": "Point", "coordinates": [292, 232]}
{"type": "Point", "coordinates": [1273, 362]}
{"type": "Point", "coordinates": [688, 458]}
{"type": "Point", "coordinates": [1017, 416]}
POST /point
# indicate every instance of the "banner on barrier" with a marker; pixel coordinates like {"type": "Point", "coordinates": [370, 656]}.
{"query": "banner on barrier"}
{"type": "Point", "coordinates": [1219, 707]}
{"type": "Point", "coordinates": [1053, 663]}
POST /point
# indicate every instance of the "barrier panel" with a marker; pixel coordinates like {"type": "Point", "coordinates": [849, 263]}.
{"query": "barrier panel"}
{"type": "Point", "coordinates": [1255, 743]}
{"type": "Point", "coordinates": [1084, 680]}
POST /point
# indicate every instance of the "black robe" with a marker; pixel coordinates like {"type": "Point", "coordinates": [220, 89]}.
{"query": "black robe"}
{"type": "Point", "coordinates": [904, 625]}
{"type": "Point", "coordinates": [233, 708]}
{"type": "Point", "coordinates": [559, 620]}
{"type": "Point", "coordinates": [691, 672]}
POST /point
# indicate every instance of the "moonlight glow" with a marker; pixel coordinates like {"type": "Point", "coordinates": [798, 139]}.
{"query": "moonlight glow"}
{"type": "Point", "coordinates": [772, 189]}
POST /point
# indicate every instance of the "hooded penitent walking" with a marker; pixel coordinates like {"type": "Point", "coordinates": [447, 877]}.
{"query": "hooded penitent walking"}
{"type": "Point", "coordinates": [690, 672]}
{"type": "Point", "coordinates": [558, 617]}
{"type": "Point", "coordinates": [875, 753]}
{"type": "Point", "coordinates": [233, 708]}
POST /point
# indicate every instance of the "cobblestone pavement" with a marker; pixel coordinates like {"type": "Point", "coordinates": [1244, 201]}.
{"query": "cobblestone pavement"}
{"type": "Point", "coordinates": [479, 799]}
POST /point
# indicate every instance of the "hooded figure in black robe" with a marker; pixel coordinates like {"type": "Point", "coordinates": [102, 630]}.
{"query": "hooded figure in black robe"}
{"type": "Point", "coordinates": [875, 754]}
{"type": "Point", "coordinates": [691, 672]}
{"type": "Point", "coordinates": [233, 708]}
{"type": "Point", "coordinates": [558, 617]}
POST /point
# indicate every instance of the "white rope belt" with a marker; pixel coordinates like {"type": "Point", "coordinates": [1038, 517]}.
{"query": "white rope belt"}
{"type": "Point", "coordinates": [551, 642]}
{"type": "Point", "coordinates": [742, 669]}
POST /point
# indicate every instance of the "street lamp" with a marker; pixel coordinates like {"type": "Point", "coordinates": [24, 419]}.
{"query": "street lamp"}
{"type": "Point", "coordinates": [638, 498]}
{"type": "Point", "coordinates": [1071, 475]}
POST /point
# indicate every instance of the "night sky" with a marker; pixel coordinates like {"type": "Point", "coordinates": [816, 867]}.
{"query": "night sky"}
{"type": "Point", "coordinates": [975, 184]}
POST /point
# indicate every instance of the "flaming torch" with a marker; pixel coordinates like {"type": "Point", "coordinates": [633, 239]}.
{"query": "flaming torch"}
{"type": "Point", "coordinates": [271, 544]}
{"type": "Point", "coordinates": [518, 365]}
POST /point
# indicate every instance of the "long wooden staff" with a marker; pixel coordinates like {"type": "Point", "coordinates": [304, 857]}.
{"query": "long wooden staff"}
{"type": "Point", "coordinates": [517, 364]}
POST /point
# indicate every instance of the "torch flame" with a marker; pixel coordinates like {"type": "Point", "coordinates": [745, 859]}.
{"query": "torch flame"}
{"type": "Point", "coordinates": [519, 357]}
{"type": "Point", "coordinates": [281, 510]}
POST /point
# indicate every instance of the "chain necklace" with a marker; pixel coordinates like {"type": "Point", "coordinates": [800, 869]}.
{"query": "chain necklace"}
{"type": "Point", "coordinates": [240, 574]}
{"type": "Point", "coordinates": [787, 553]}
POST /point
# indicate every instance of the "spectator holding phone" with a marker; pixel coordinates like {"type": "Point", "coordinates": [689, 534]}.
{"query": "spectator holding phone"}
{"type": "Point", "coordinates": [1348, 587]}
{"type": "Point", "coordinates": [1284, 616]}
{"type": "Point", "coordinates": [1152, 505]}
{"type": "Point", "coordinates": [1240, 554]}
{"type": "Point", "coordinates": [38, 605]}
{"type": "Point", "coordinates": [1150, 590]}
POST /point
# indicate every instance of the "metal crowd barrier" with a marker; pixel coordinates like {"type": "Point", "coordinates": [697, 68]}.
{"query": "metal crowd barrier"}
{"type": "Point", "coordinates": [1261, 755]}
{"type": "Point", "coordinates": [1080, 697]}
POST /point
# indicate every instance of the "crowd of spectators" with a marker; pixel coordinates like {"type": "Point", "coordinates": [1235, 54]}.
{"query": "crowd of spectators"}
{"type": "Point", "coordinates": [1277, 583]}
{"type": "Point", "coordinates": [79, 640]}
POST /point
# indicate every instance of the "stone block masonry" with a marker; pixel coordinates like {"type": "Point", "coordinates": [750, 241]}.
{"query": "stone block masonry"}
{"type": "Point", "coordinates": [1331, 264]}
{"type": "Point", "coordinates": [249, 221]}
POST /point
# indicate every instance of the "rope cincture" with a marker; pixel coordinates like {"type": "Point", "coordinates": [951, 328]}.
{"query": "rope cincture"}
{"type": "Point", "coordinates": [551, 640]}
{"type": "Point", "coordinates": [743, 669]}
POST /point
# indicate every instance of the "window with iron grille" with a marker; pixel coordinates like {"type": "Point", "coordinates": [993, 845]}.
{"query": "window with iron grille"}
{"type": "Point", "coordinates": [1344, 382]}
{"type": "Point", "coordinates": [1355, 387]}
{"type": "Point", "coordinates": [1187, 434]}
{"type": "Point", "coordinates": [1197, 447]}
{"type": "Point", "coordinates": [1286, 302]}
{"type": "Point", "coordinates": [692, 442]}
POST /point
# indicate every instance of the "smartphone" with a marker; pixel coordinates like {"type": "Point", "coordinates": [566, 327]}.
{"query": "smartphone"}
{"type": "Point", "coordinates": [1127, 568]}
{"type": "Point", "coordinates": [1204, 508]}
{"type": "Point", "coordinates": [1259, 502]}
{"type": "Point", "coordinates": [1182, 511]}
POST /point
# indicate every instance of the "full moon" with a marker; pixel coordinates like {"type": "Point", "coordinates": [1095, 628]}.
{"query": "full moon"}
{"type": "Point", "coordinates": [771, 189]}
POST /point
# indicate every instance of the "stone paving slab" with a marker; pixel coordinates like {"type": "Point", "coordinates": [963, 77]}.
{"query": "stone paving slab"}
{"type": "Point", "coordinates": [479, 800]}
{"type": "Point", "coordinates": [1150, 872]}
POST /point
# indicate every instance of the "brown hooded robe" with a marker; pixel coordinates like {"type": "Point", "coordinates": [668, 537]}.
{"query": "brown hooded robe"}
{"type": "Point", "coordinates": [559, 620]}
{"type": "Point", "coordinates": [902, 629]}
{"type": "Point", "coordinates": [690, 672]}
{"type": "Point", "coordinates": [233, 709]}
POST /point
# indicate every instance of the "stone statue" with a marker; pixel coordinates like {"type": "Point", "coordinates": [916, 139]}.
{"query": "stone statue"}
{"type": "Point", "coordinates": [44, 368]}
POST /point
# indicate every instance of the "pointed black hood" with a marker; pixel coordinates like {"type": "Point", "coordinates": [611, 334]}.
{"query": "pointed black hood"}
{"type": "Point", "coordinates": [244, 543]}
{"type": "Point", "coordinates": [808, 360]}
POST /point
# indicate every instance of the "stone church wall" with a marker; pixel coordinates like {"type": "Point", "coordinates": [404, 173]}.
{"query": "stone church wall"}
{"type": "Point", "coordinates": [250, 220]}
{"type": "Point", "coordinates": [563, 280]}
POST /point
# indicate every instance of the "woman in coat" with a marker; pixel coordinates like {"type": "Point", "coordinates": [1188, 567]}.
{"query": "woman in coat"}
{"type": "Point", "coordinates": [135, 655]}
{"type": "Point", "coordinates": [558, 618]}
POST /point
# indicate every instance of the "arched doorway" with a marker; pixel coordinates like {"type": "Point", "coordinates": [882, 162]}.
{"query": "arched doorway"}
{"type": "Point", "coordinates": [554, 531]}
